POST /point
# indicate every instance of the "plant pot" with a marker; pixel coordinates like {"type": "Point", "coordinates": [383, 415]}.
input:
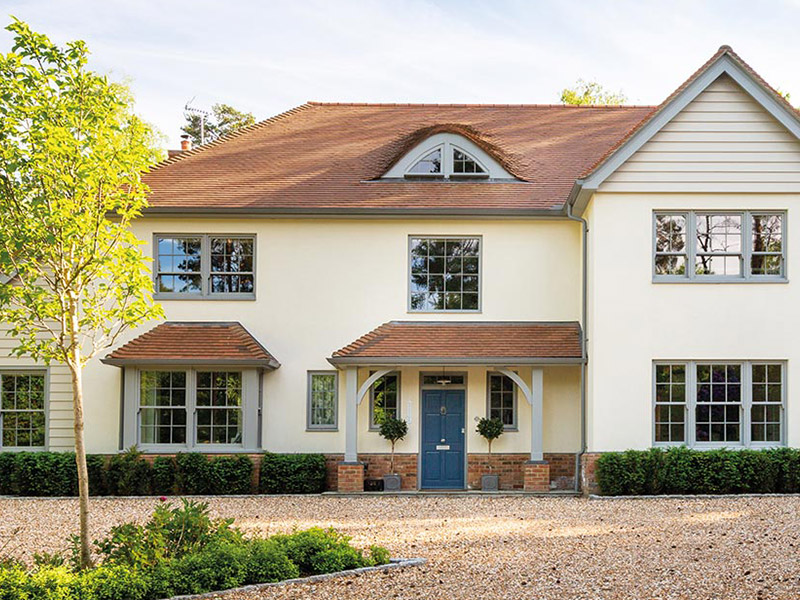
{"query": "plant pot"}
{"type": "Point", "coordinates": [490, 483]}
{"type": "Point", "coordinates": [391, 483]}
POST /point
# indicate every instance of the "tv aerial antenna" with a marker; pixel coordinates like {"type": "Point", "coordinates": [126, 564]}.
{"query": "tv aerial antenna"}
{"type": "Point", "coordinates": [204, 114]}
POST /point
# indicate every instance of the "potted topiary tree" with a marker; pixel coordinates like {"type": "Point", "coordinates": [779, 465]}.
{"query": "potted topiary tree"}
{"type": "Point", "coordinates": [393, 430]}
{"type": "Point", "coordinates": [490, 429]}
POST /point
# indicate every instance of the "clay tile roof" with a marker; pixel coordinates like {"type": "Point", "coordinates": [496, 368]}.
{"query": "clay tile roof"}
{"type": "Point", "coordinates": [194, 343]}
{"type": "Point", "coordinates": [322, 158]}
{"type": "Point", "coordinates": [467, 342]}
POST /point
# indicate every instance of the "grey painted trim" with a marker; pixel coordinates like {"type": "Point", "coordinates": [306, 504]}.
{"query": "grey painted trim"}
{"type": "Point", "coordinates": [480, 273]}
{"type": "Point", "coordinates": [205, 268]}
{"type": "Point", "coordinates": [690, 215]}
{"type": "Point", "coordinates": [309, 425]}
{"type": "Point", "coordinates": [353, 213]}
{"type": "Point", "coordinates": [515, 425]}
{"type": "Point", "coordinates": [453, 362]}
{"type": "Point", "coordinates": [223, 363]}
{"type": "Point", "coordinates": [351, 415]}
{"type": "Point", "coordinates": [744, 411]}
{"type": "Point", "coordinates": [30, 370]}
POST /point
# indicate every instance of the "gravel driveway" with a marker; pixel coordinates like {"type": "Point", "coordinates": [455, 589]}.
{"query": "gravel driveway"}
{"type": "Point", "coordinates": [502, 547]}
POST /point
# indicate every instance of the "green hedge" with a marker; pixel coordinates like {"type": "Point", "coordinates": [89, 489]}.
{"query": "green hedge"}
{"type": "Point", "coordinates": [129, 474]}
{"type": "Point", "coordinates": [684, 471]}
{"type": "Point", "coordinates": [292, 474]}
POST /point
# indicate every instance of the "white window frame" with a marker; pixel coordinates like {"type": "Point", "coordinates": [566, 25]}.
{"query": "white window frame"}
{"type": "Point", "coordinates": [745, 414]}
{"type": "Point", "coordinates": [29, 371]}
{"type": "Point", "coordinates": [205, 268]}
{"type": "Point", "coordinates": [479, 275]}
{"type": "Point", "coordinates": [690, 276]}
{"type": "Point", "coordinates": [447, 142]}
{"type": "Point", "coordinates": [322, 427]}
{"type": "Point", "coordinates": [191, 410]}
{"type": "Point", "coordinates": [373, 426]}
{"type": "Point", "coordinates": [514, 426]}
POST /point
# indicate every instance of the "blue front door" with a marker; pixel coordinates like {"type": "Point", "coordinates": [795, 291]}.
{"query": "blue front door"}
{"type": "Point", "coordinates": [442, 439]}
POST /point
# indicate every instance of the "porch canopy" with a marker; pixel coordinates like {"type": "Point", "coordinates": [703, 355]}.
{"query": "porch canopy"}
{"type": "Point", "coordinates": [194, 343]}
{"type": "Point", "coordinates": [498, 344]}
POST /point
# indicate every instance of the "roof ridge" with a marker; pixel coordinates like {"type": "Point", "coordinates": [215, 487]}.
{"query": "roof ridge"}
{"type": "Point", "coordinates": [475, 105]}
{"type": "Point", "coordinates": [229, 136]}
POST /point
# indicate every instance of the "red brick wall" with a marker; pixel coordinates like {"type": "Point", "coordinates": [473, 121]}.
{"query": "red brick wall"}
{"type": "Point", "coordinates": [351, 477]}
{"type": "Point", "coordinates": [405, 465]}
{"type": "Point", "coordinates": [588, 478]}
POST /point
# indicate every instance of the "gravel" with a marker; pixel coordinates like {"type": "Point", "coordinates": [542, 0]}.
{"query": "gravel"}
{"type": "Point", "coordinates": [501, 547]}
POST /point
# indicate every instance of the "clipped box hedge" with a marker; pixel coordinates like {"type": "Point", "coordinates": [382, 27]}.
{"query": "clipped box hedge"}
{"type": "Point", "coordinates": [684, 471]}
{"type": "Point", "coordinates": [130, 474]}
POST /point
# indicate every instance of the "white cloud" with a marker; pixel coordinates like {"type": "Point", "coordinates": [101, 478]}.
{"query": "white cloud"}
{"type": "Point", "coordinates": [265, 57]}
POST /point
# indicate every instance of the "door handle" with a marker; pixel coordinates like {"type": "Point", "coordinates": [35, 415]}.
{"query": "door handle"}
{"type": "Point", "coordinates": [442, 441]}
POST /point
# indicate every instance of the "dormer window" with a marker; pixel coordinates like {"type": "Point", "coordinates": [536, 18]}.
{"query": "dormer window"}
{"type": "Point", "coordinates": [430, 164]}
{"type": "Point", "coordinates": [456, 163]}
{"type": "Point", "coordinates": [447, 156]}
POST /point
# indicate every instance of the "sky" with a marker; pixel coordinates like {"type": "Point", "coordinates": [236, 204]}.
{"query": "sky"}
{"type": "Point", "coordinates": [264, 56]}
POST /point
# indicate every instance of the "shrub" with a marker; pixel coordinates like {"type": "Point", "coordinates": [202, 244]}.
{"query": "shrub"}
{"type": "Point", "coordinates": [44, 474]}
{"type": "Point", "coordinates": [292, 474]}
{"type": "Point", "coordinates": [378, 555]}
{"type": "Point", "coordinates": [7, 465]}
{"type": "Point", "coordinates": [164, 472]}
{"type": "Point", "coordinates": [685, 471]}
{"type": "Point", "coordinates": [192, 474]}
{"type": "Point", "coordinates": [230, 475]}
{"type": "Point", "coordinates": [268, 562]}
{"type": "Point", "coordinates": [96, 465]}
{"type": "Point", "coordinates": [319, 550]}
{"type": "Point", "coordinates": [129, 474]}
{"type": "Point", "coordinates": [217, 567]}
{"type": "Point", "coordinates": [114, 582]}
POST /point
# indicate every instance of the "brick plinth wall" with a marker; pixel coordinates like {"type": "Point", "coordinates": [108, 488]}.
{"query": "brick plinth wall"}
{"type": "Point", "coordinates": [510, 468]}
{"type": "Point", "coordinates": [405, 465]}
{"type": "Point", "coordinates": [588, 477]}
{"type": "Point", "coordinates": [536, 476]}
{"type": "Point", "coordinates": [350, 477]}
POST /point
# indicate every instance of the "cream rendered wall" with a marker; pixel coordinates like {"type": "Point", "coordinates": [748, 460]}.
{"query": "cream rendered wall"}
{"type": "Point", "coordinates": [633, 321]}
{"type": "Point", "coordinates": [323, 283]}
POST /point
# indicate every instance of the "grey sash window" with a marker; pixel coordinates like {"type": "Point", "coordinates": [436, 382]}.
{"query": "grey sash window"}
{"type": "Point", "coordinates": [22, 410]}
{"type": "Point", "coordinates": [162, 407]}
{"type": "Point", "coordinates": [323, 400]}
{"type": "Point", "coordinates": [445, 274]}
{"type": "Point", "coordinates": [719, 404]}
{"type": "Point", "coordinates": [190, 408]}
{"type": "Point", "coordinates": [719, 246]}
{"type": "Point", "coordinates": [219, 407]}
{"type": "Point", "coordinates": [205, 266]}
{"type": "Point", "coordinates": [503, 400]}
{"type": "Point", "coordinates": [384, 399]}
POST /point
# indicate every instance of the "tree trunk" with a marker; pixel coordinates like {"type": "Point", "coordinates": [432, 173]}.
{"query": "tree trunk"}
{"type": "Point", "coordinates": [490, 456]}
{"type": "Point", "coordinates": [391, 465]}
{"type": "Point", "coordinates": [80, 457]}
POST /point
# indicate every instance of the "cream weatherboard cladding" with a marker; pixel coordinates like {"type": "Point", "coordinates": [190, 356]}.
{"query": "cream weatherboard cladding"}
{"type": "Point", "coordinates": [723, 141]}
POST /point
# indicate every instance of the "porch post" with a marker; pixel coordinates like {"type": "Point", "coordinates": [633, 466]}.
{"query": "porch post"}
{"type": "Point", "coordinates": [536, 470]}
{"type": "Point", "coordinates": [351, 415]}
{"type": "Point", "coordinates": [350, 474]}
{"type": "Point", "coordinates": [537, 418]}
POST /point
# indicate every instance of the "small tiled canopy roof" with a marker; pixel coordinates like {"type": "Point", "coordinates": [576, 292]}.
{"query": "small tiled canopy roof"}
{"type": "Point", "coordinates": [421, 342]}
{"type": "Point", "coordinates": [224, 343]}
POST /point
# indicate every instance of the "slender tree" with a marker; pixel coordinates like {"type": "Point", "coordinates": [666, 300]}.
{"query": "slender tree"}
{"type": "Point", "coordinates": [71, 157]}
{"type": "Point", "coordinates": [590, 92]}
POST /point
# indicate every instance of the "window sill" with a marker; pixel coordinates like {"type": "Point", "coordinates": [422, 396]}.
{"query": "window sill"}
{"type": "Point", "coordinates": [164, 449]}
{"type": "Point", "coordinates": [23, 448]}
{"type": "Point", "coordinates": [715, 280]}
{"type": "Point", "coordinates": [439, 312]}
{"type": "Point", "coordinates": [201, 298]}
{"type": "Point", "coordinates": [720, 446]}
{"type": "Point", "coordinates": [321, 429]}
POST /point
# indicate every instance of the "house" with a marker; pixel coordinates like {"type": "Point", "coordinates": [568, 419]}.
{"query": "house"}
{"type": "Point", "coordinates": [599, 278]}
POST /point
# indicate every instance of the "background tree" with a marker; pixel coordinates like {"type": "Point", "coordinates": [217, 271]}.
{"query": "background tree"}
{"type": "Point", "coordinates": [71, 154]}
{"type": "Point", "coordinates": [590, 92]}
{"type": "Point", "coordinates": [224, 119]}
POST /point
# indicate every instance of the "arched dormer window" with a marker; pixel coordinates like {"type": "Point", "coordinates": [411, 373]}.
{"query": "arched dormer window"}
{"type": "Point", "coordinates": [447, 156]}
